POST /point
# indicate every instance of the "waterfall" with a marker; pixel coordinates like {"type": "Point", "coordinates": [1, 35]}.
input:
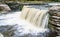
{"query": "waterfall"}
{"type": "Point", "coordinates": [30, 22]}
{"type": "Point", "coordinates": [35, 16]}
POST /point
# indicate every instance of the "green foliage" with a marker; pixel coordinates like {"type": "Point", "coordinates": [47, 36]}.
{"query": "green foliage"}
{"type": "Point", "coordinates": [41, 0]}
{"type": "Point", "coordinates": [55, 0]}
{"type": "Point", "coordinates": [21, 7]}
{"type": "Point", "coordinates": [31, 0]}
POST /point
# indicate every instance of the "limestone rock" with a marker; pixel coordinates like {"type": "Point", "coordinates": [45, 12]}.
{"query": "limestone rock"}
{"type": "Point", "coordinates": [55, 7]}
{"type": "Point", "coordinates": [54, 19]}
{"type": "Point", "coordinates": [4, 8]}
{"type": "Point", "coordinates": [14, 6]}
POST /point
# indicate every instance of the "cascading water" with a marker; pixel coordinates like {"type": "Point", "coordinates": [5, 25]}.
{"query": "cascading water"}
{"type": "Point", "coordinates": [35, 16]}
{"type": "Point", "coordinates": [31, 22]}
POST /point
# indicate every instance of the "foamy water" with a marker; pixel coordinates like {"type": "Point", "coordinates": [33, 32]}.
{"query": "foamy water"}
{"type": "Point", "coordinates": [24, 27]}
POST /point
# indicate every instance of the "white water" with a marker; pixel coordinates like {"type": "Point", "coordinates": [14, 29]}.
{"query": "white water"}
{"type": "Point", "coordinates": [35, 16]}
{"type": "Point", "coordinates": [27, 22]}
{"type": "Point", "coordinates": [1, 35]}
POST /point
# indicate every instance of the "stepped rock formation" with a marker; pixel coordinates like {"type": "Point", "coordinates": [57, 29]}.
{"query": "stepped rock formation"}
{"type": "Point", "coordinates": [54, 19]}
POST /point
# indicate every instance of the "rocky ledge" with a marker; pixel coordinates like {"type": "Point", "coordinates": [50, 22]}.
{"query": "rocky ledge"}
{"type": "Point", "coordinates": [54, 19]}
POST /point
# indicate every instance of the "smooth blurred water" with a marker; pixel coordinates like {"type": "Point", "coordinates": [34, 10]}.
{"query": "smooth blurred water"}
{"type": "Point", "coordinates": [11, 25]}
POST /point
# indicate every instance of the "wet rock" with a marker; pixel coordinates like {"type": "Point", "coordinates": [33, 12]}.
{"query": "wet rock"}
{"type": "Point", "coordinates": [54, 24]}
{"type": "Point", "coordinates": [4, 8]}
{"type": "Point", "coordinates": [57, 8]}
{"type": "Point", "coordinates": [54, 19]}
{"type": "Point", "coordinates": [13, 5]}
{"type": "Point", "coordinates": [7, 30]}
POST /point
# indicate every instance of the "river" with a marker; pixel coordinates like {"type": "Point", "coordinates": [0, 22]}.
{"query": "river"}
{"type": "Point", "coordinates": [12, 26]}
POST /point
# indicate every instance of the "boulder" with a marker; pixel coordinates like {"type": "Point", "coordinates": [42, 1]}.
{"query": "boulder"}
{"type": "Point", "coordinates": [14, 6]}
{"type": "Point", "coordinates": [4, 8]}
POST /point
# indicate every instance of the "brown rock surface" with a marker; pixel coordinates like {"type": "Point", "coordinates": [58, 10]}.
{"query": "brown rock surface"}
{"type": "Point", "coordinates": [54, 21]}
